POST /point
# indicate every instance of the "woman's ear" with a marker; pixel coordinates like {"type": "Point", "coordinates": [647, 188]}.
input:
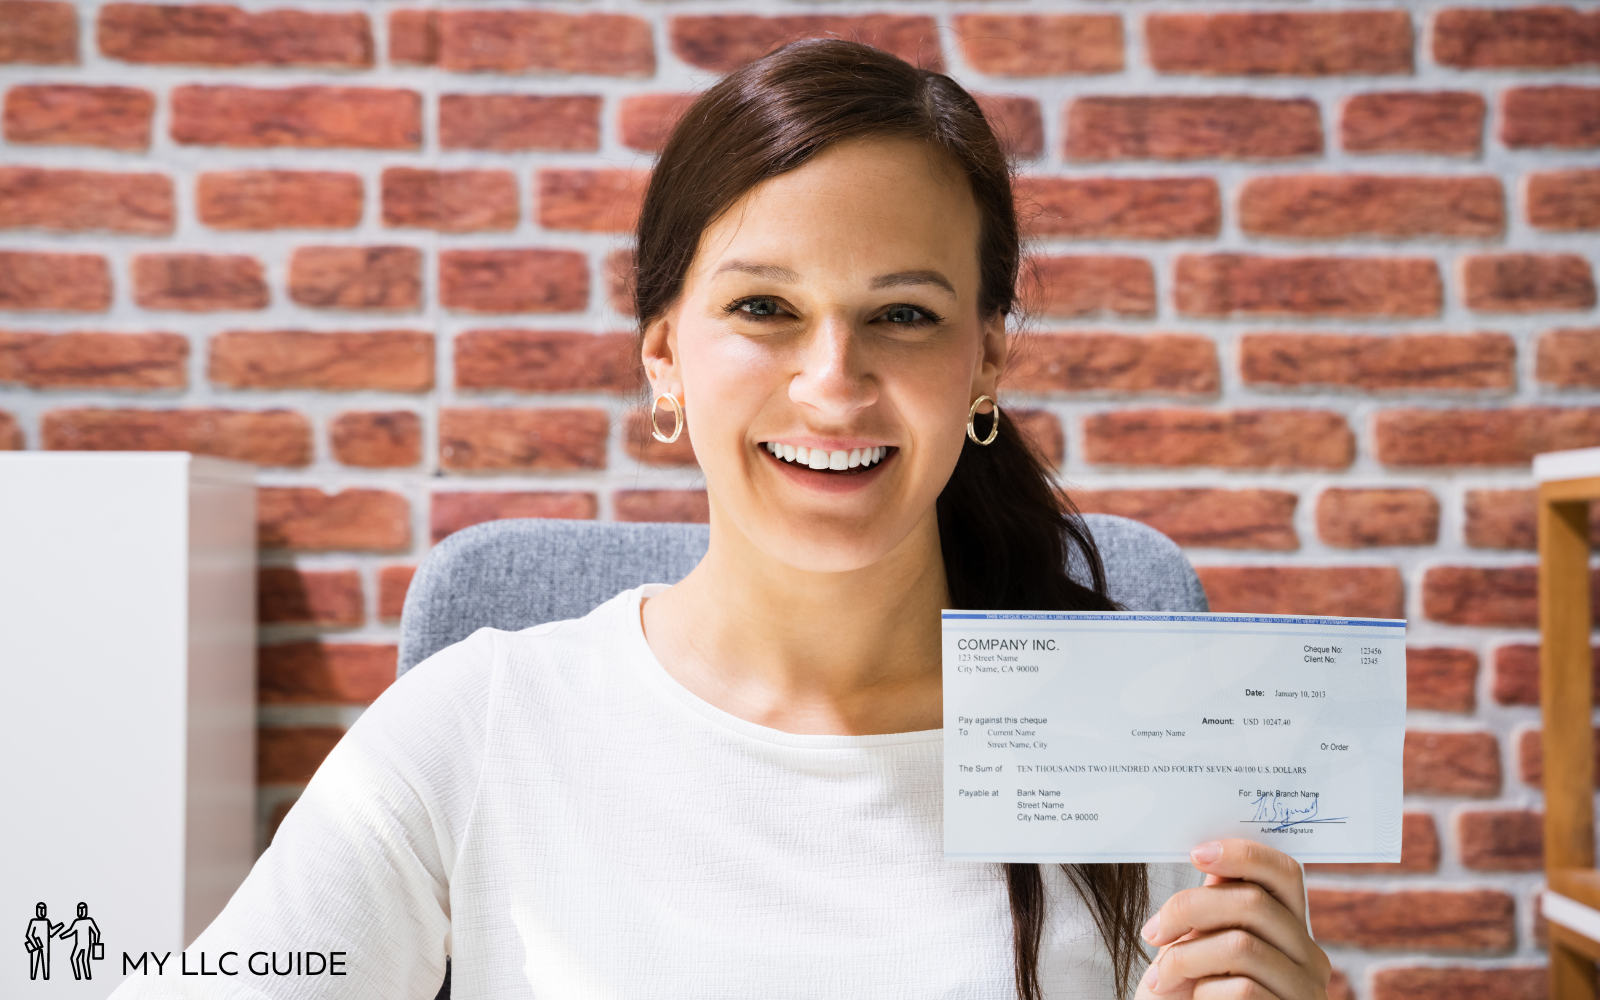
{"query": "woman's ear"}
{"type": "Point", "coordinates": [992, 364]}
{"type": "Point", "coordinates": [658, 350]}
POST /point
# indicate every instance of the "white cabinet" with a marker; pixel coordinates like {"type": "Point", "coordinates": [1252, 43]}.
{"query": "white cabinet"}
{"type": "Point", "coordinates": [127, 721]}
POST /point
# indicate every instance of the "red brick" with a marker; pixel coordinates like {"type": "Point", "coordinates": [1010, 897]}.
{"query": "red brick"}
{"type": "Point", "coordinates": [516, 122]}
{"type": "Point", "coordinates": [1530, 755]}
{"type": "Point", "coordinates": [292, 754]}
{"type": "Point", "coordinates": [324, 673]}
{"type": "Point", "coordinates": [1362, 591]}
{"type": "Point", "coordinates": [645, 449]}
{"type": "Point", "coordinates": [457, 509]}
{"type": "Point", "coordinates": [1480, 595]}
{"type": "Point", "coordinates": [1451, 763]}
{"type": "Point", "coordinates": [337, 277]}
{"type": "Point", "coordinates": [1526, 282]}
{"type": "Point", "coordinates": [1202, 127]}
{"type": "Point", "coordinates": [1501, 840]}
{"type": "Point", "coordinates": [1569, 358]}
{"type": "Point", "coordinates": [1516, 674]}
{"type": "Point", "coordinates": [291, 595]}
{"type": "Point", "coordinates": [308, 117]}
{"type": "Point", "coordinates": [546, 438]}
{"type": "Point", "coordinates": [389, 439]}
{"type": "Point", "coordinates": [306, 519]}
{"type": "Point", "coordinates": [393, 583]}
{"type": "Point", "coordinates": [221, 35]}
{"type": "Point", "coordinates": [1441, 679]}
{"type": "Point", "coordinates": [1508, 436]}
{"type": "Point", "coordinates": [1032, 45]}
{"type": "Point", "coordinates": [678, 506]}
{"type": "Point", "coordinates": [548, 41]}
{"type": "Point", "coordinates": [279, 199]}
{"type": "Point", "coordinates": [1419, 852]}
{"type": "Point", "coordinates": [590, 200]}
{"type": "Point", "coordinates": [723, 42]}
{"type": "Point", "coordinates": [618, 278]}
{"type": "Point", "coordinates": [1017, 122]}
{"type": "Point", "coordinates": [273, 437]}
{"type": "Point", "coordinates": [1379, 361]}
{"type": "Point", "coordinates": [1041, 431]}
{"type": "Point", "coordinates": [381, 360]}
{"type": "Point", "coordinates": [1405, 121]}
{"type": "Point", "coordinates": [1089, 286]}
{"type": "Point", "coordinates": [1488, 595]}
{"type": "Point", "coordinates": [1302, 43]}
{"type": "Point", "coordinates": [1119, 207]}
{"type": "Point", "coordinates": [1277, 438]}
{"type": "Point", "coordinates": [10, 433]}
{"type": "Point", "coordinates": [79, 200]}
{"type": "Point", "coordinates": [1238, 284]}
{"type": "Point", "coordinates": [76, 282]}
{"type": "Point", "coordinates": [546, 361]}
{"type": "Point", "coordinates": [1434, 982]}
{"type": "Point", "coordinates": [1165, 363]}
{"type": "Point", "coordinates": [645, 120]}
{"type": "Point", "coordinates": [1330, 205]}
{"type": "Point", "coordinates": [414, 37]}
{"type": "Point", "coordinates": [75, 115]}
{"type": "Point", "coordinates": [511, 280]}
{"type": "Point", "coordinates": [1542, 37]}
{"type": "Point", "coordinates": [1449, 920]}
{"type": "Point", "coordinates": [196, 282]}
{"type": "Point", "coordinates": [1354, 518]}
{"type": "Point", "coordinates": [38, 31]}
{"type": "Point", "coordinates": [454, 201]}
{"type": "Point", "coordinates": [1504, 519]}
{"type": "Point", "coordinates": [1564, 200]}
{"type": "Point", "coordinates": [1558, 116]}
{"type": "Point", "coordinates": [94, 360]}
{"type": "Point", "coordinates": [1201, 517]}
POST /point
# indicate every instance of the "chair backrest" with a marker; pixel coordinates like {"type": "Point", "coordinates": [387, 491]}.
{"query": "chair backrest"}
{"type": "Point", "coordinates": [515, 573]}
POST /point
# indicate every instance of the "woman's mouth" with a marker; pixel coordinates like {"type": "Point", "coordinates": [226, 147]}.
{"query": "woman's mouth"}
{"type": "Point", "coordinates": [828, 479]}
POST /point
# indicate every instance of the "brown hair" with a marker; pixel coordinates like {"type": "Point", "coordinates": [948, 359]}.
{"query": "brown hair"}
{"type": "Point", "coordinates": [1004, 524]}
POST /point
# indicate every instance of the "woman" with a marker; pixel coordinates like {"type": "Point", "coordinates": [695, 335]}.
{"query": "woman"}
{"type": "Point", "coordinates": [730, 786]}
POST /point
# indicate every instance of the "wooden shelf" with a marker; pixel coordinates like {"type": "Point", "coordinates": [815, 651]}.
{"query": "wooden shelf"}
{"type": "Point", "coordinates": [1568, 481]}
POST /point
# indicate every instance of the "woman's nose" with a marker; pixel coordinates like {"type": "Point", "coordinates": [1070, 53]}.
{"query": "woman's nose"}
{"type": "Point", "coordinates": [834, 369]}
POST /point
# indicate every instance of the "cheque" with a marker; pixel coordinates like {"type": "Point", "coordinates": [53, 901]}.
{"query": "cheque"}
{"type": "Point", "coordinates": [1120, 736]}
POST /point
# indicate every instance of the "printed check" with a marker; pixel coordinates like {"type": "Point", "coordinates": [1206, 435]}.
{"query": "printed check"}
{"type": "Point", "coordinates": [1120, 736]}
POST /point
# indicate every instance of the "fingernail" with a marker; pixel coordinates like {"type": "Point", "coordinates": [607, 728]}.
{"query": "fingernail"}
{"type": "Point", "coordinates": [1206, 852]}
{"type": "Point", "coordinates": [1148, 931]}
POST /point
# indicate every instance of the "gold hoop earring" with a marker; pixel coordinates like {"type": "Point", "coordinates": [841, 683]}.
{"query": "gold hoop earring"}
{"type": "Point", "coordinates": [677, 415]}
{"type": "Point", "coordinates": [994, 428]}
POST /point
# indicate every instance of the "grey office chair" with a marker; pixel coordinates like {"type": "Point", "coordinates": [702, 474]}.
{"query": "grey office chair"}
{"type": "Point", "coordinates": [519, 572]}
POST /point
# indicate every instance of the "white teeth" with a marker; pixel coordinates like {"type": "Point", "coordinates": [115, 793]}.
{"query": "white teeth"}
{"type": "Point", "coordinates": [816, 458]}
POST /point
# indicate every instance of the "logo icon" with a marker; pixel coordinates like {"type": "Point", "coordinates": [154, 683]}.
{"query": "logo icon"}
{"type": "Point", "coordinates": [86, 943]}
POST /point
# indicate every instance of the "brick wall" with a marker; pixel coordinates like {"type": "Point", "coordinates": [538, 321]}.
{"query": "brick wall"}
{"type": "Point", "coordinates": [1318, 283]}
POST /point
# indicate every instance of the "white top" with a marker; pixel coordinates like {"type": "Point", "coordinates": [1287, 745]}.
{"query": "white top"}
{"type": "Point", "coordinates": [562, 817]}
{"type": "Point", "coordinates": [1574, 463]}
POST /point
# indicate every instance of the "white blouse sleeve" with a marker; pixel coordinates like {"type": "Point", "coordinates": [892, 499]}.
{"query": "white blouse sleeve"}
{"type": "Point", "coordinates": [361, 863]}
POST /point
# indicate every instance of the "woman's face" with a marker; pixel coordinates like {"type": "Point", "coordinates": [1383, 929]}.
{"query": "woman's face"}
{"type": "Point", "coordinates": [786, 331]}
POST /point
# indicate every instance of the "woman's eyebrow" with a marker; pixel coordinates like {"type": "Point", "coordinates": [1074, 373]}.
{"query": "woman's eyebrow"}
{"type": "Point", "coordinates": [776, 272]}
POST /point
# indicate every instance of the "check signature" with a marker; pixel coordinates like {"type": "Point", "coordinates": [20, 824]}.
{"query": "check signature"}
{"type": "Point", "coordinates": [1270, 808]}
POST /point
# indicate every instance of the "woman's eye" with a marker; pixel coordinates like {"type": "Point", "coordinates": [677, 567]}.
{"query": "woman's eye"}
{"type": "Point", "coordinates": [913, 312]}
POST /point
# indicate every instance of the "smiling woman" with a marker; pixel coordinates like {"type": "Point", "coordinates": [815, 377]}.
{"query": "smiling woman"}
{"type": "Point", "coordinates": [826, 257]}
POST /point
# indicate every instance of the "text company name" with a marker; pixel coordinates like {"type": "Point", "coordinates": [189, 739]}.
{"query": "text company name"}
{"type": "Point", "coordinates": [257, 963]}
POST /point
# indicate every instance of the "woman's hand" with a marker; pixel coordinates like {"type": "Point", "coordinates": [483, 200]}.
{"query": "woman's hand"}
{"type": "Point", "coordinates": [1240, 936]}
